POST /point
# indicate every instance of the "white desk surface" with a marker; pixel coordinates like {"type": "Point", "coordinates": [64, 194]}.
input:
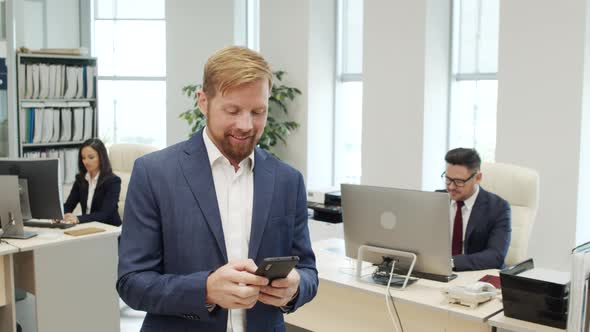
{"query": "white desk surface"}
{"type": "Point", "coordinates": [6, 249]}
{"type": "Point", "coordinates": [55, 236]}
{"type": "Point", "coordinates": [517, 325]}
{"type": "Point", "coordinates": [335, 267]}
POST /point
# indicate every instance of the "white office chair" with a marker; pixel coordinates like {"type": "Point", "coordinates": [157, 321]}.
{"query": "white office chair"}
{"type": "Point", "coordinates": [520, 187]}
{"type": "Point", "coordinates": [122, 157]}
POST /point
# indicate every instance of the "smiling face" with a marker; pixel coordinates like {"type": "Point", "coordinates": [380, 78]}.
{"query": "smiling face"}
{"type": "Point", "coordinates": [236, 119]}
{"type": "Point", "coordinates": [90, 160]}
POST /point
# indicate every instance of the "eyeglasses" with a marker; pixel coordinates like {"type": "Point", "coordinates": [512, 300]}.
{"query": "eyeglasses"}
{"type": "Point", "coordinates": [457, 182]}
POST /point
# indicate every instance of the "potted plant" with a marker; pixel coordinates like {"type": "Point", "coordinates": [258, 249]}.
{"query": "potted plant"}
{"type": "Point", "coordinates": [278, 127]}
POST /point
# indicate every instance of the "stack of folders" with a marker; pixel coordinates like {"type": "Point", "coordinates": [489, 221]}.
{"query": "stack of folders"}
{"type": "Point", "coordinates": [68, 161]}
{"type": "Point", "coordinates": [48, 122]}
{"type": "Point", "coordinates": [579, 313]}
{"type": "Point", "coordinates": [54, 81]}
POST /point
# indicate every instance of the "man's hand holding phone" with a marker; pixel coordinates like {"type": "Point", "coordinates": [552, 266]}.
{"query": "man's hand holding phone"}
{"type": "Point", "coordinates": [234, 285]}
{"type": "Point", "coordinates": [284, 280]}
{"type": "Point", "coordinates": [280, 291]}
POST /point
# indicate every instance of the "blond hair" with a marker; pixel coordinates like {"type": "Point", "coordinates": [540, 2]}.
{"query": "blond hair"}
{"type": "Point", "coordinates": [232, 67]}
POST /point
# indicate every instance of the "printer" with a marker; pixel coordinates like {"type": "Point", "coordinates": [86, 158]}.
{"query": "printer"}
{"type": "Point", "coordinates": [535, 295]}
{"type": "Point", "coordinates": [326, 206]}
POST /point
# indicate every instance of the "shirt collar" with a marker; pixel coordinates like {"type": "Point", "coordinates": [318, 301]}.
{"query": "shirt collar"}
{"type": "Point", "coordinates": [215, 155]}
{"type": "Point", "coordinates": [470, 201]}
{"type": "Point", "coordinates": [95, 179]}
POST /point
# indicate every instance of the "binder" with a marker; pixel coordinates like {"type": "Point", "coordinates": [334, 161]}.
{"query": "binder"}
{"type": "Point", "coordinates": [47, 127]}
{"type": "Point", "coordinates": [71, 82]}
{"type": "Point", "coordinates": [66, 125]}
{"type": "Point", "coordinates": [22, 80]}
{"type": "Point", "coordinates": [579, 300]}
{"type": "Point", "coordinates": [35, 69]}
{"type": "Point", "coordinates": [88, 121]}
{"type": "Point", "coordinates": [61, 81]}
{"type": "Point", "coordinates": [90, 82]}
{"type": "Point", "coordinates": [55, 136]}
{"type": "Point", "coordinates": [38, 125]}
{"type": "Point", "coordinates": [29, 82]}
{"type": "Point", "coordinates": [43, 81]}
{"type": "Point", "coordinates": [80, 82]}
{"type": "Point", "coordinates": [71, 165]}
{"type": "Point", "coordinates": [31, 125]}
{"type": "Point", "coordinates": [78, 125]}
{"type": "Point", "coordinates": [22, 124]}
{"type": "Point", "coordinates": [52, 80]}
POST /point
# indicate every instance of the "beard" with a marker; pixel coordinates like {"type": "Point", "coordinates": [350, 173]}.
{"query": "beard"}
{"type": "Point", "coordinates": [233, 150]}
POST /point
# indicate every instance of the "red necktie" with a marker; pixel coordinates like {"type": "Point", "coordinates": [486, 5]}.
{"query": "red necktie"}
{"type": "Point", "coordinates": [458, 230]}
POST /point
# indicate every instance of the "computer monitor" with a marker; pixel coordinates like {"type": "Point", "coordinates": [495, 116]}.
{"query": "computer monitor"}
{"type": "Point", "coordinates": [404, 220]}
{"type": "Point", "coordinates": [42, 185]}
{"type": "Point", "coordinates": [10, 210]}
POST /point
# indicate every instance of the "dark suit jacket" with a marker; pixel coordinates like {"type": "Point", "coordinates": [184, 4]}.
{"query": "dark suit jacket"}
{"type": "Point", "coordinates": [487, 237]}
{"type": "Point", "coordinates": [105, 202]}
{"type": "Point", "coordinates": [172, 238]}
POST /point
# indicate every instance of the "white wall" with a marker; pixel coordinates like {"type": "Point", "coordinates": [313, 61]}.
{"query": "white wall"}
{"type": "Point", "coordinates": [404, 118]}
{"type": "Point", "coordinates": [284, 42]}
{"type": "Point", "coordinates": [322, 74]}
{"type": "Point", "coordinates": [299, 38]}
{"type": "Point", "coordinates": [63, 23]}
{"type": "Point", "coordinates": [48, 23]}
{"type": "Point", "coordinates": [436, 92]}
{"type": "Point", "coordinates": [540, 93]}
{"type": "Point", "coordinates": [583, 224]}
{"type": "Point", "coordinates": [195, 29]}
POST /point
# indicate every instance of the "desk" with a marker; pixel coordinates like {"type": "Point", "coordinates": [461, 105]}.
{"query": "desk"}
{"type": "Point", "coordinates": [517, 325]}
{"type": "Point", "coordinates": [73, 278]}
{"type": "Point", "coordinates": [344, 303]}
{"type": "Point", "coordinates": [7, 317]}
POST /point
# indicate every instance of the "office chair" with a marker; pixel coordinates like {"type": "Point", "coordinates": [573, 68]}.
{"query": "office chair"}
{"type": "Point", "coordinates": [520, 187]}
{"type": "Point", "coordinates": [122, 157]}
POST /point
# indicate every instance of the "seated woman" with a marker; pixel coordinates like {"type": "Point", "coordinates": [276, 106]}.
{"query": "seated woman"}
{"type": "Point", "coordinates": [96, 187]}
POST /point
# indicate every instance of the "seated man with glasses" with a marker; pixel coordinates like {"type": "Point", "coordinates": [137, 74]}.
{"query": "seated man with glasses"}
{"type": "Point", "coordinates": [480, 220]}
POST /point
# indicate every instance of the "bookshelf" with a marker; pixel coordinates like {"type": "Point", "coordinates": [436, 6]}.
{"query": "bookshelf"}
{"type": "Point", "coordinates": [57, 107]}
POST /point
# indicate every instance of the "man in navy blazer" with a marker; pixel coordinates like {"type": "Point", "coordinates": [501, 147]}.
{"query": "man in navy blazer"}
{"type": "Point", "coordinates": [202, 214]}
{"type": "Point", "coordinates": [480, 220]}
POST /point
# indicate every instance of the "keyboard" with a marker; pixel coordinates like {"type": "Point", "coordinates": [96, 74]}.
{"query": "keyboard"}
{"type": "Point", "coordinates": [46, 224]}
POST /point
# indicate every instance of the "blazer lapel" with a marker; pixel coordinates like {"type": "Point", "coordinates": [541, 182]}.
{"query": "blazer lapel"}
{"type": "Point", "coordinates": [264, 182]}
{"type": "Point", "coordinates": [477, 215]}
{"type": "Point", "coordinates": [197, 172]}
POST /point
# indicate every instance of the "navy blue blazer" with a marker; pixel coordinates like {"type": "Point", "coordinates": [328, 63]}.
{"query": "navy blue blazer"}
{"type": "Point", "coordinates": [172, 238]}
{"type": "Point", "coordinates": [105, 202]}
{"type": "Point", "coordinates": [487, 237]}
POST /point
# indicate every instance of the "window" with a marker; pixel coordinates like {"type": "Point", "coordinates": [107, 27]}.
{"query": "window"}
{"type": "Point", "coordinates": [349, 93]}
{"type": "Point", "coordinates": [474, 82]}
{"type": "Point", "coordinates": [130, 43]}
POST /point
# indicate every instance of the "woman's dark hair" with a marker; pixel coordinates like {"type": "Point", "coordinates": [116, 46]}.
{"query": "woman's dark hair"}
{"type": "Point", "coordinates": [464, 157]}
{"type": "Point", "coordinates": [103, 158]}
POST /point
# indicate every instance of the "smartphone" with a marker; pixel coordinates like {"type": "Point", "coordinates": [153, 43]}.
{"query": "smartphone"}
{"type": "Point", "coordinates": [277, 267]}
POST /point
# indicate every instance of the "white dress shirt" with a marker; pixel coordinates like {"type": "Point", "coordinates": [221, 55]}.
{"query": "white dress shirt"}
{"type": "Point", "coordinates": [465, 212]}
{"type": "Point", "coordinates": [92, 182]}
{"type": "Point", "coordinates": [235, 196]}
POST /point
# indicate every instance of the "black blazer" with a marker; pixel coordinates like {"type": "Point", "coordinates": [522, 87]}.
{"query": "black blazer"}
{"type": "Point", "coordinates": [488, 234]}
{"type": "Point", "coordinates": [487, 237]}
{"type": "Point", "coordinates": [105, 202]}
